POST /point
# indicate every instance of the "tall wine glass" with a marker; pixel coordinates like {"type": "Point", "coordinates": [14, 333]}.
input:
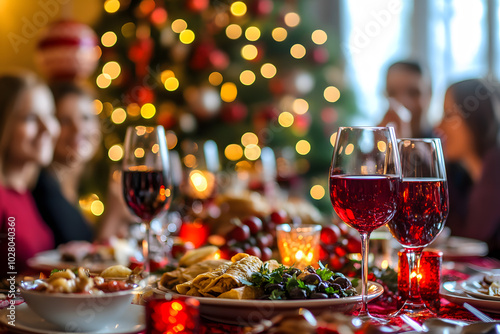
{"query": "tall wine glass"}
{"type": "Point", "coordinates": [422, 207]}
{"type": "Point", "coordinates": [146, 177]}
{"type": "Point", "coordinates": [364, 181]}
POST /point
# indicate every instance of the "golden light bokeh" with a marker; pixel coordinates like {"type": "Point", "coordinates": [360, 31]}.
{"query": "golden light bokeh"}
{"type": "Point", "coordinates": [111, 6]}
{"type": "Point", "coordinates": [98, 107]}
{"type": "Point", "coordinates": [247, 77]}
{"type": "Point", "coordinates": [285, 119]}
{"type": "Point", "coordinates": [139, 152]}
{"type": "Point", "coordinates": [103, 80]}
{"type": "Point", "coordinates": [171, 84]}
{"type": "Point", "coordinates": [317, 192]}
{"type": "Point", "coordinates": [133, 110]}
{"type": "Point", "coordinates": [179, 25]}
{"type": "Point", "coordinates": [382, 146]}
{"type": "Point", "coordinates": [300, 106]}
{"type": "Point", "coordinates": [252, 33]}
{"type": "Point", "coordinates": [233, 152]}
{"type": "Point", "coordinates": [187, 36]}
{"type": "Point", "coordinates": [112, 68]}
{"type": "Point", "coordinates": [115, 152]}
{"type": "Point", "coordinates": [292, 19]}
{"type": "Point", "coordinates": [155, 149]}
{"type": "Point", "coordinates": [303, 147]}
{"type": "Point", "coordinates": [228, 92]}
{"type": "Point", "coordinates": [252, 152]}
{"type": "Point", "coordinates": [108, 39]}
{"type": "Point", "coordinates": [331, 94]}
{"type": "Point", "coordinates": [349, 149]}
{"type": "Point", "coordinates": [128, 29]}
{"type": "Point", "coordinates": [233, 31]}
{"type": "Point", "coordinates": [249, 52]}
{"type": "Point", "coordinates": [190, 161]}
{"type": "Point", "coordinates": [249, 138]}
{"type": "Point", "coordinates": [166, 74]}
{"type": "Point", "coordinates": [148, 110]}
{"type": "Point", "coordinates": [298, 51]}
{"type": "Point", "coordinates": [268, 70]}
{"type": "Point", "coordinates": [319, 37]}
{"type": "Point", "coordinates": [238, 8]}
{"type": "Point", "coordinates": [215, 78]}
{"type": "Point", "coordinates": [333, 139]}
{"type": "Point", "coordinates": [279, 34]}
{"type": "Point", "coordinates": [97, 208]}
{"type": "Point", "coordinates": [118, 116]}
{"type": "Point", "coordinates": [171, 139]}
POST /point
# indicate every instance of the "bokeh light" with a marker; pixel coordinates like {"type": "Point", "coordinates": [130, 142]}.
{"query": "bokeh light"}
{"type": "Point", "coordinates": [382, 146]}
{"type": "Point", "coordinates": [112, 68]}
{"type": "Point", "coordinates": [115, 152]}
{"type": "Point", "coordinates": [298, 51]}
{"type": "Point", "coordinates": [252, 33]}
{"type": "Point", "coordinates": [233, 152]}
{"type": "Point", "coordinates": [333, 139]}
{"type": "Point", "coordinates": [249, 52]}
{"type": "Point", "coordinates": [233, 31]}
{"type": "Point", "coordinates": [279, 34]}
{"type": "Point", "coordinates": [215, 78]}
{"type": "Point", "coordinates": [108, 39]}
{"type": "Point", "coordinates": [319, 37]}
{"type": "Point", "coordinates": [97, 208]}
{"type": "Point", "coordinates": [139, 152]}
{"type": "Point", "coordinates": [166, 74]}
{"type": "Point", "coordinates": [268, 70]}
{"type": "Point", "coordinates": [292, 19]}
{"type": "Point", "coordinates": [98, 107]}
{"type": "Point", "coordinates": [303, 147]}
{"type": "Point", "coordinates": [118, 116]}
{"type": "Point", "coordinates": [171, 139]}
{"type": "Point", "coordinates": [285, 119]}
{"type": "Point", "coordinates": [249, 138]}
{"type": "Point", "coordinates": [186, 36]}
{"type": "Point", "coordinates": [179, 25]}
{"type": "Point", "coordinates": [111, 6]}
{"type": "Point", "coordinates": [300, 106]}
{"type": "Point", "coordinates": [349, 149]}
{"type": "Point", "coordinates": [317, 192]}
{"type": "Point", "coordinates": [238, 8]}
{"type": "Point", "coordinates": [171, 84]}
{"type": "Point", "coordinates": [133, 110]}
{"type": "Point", "coordinates": [331, 94]}
{"type": "Point", "coordinates": [103, 80]}
{"type": "Point", "coordinates": [247, 77]}
{"type": "Point", "coordinates": [252, 152]}
{"type": "Point", "coordinates": [228, 92]}
{"type": "Point", "coordinates": [128, 29]}
{"type": "Point", "coordinates": [148, 110]}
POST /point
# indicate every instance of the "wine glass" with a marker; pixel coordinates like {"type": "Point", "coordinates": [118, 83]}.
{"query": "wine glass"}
{"type": "Point", "coordinates": [146, 178]}
{"type": "Point", "coordinates": [364, 181]}
{"type": "Point", "coordinates": [422, 208]}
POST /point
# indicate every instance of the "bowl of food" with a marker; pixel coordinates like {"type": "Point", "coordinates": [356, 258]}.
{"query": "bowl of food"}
{"type": "Point", "coordinates": [77, 302]}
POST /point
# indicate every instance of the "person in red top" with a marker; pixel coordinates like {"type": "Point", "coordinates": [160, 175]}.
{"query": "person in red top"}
{"type": "Point", "coordinates": [28, 131]}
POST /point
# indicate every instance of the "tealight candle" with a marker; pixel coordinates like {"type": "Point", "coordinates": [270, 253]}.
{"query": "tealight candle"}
{"type": "Point", "coordinates": [172, 314]}
{"type": "Point", "coordinates": [298, 244]}
{"type": "Point", "coordinates": [427, 281]}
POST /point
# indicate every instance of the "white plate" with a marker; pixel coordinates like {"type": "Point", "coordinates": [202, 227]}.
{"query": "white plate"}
{"type": "Point", "coordinates": [252, 312]}
{"type": "Point", "coordinates": [132, 321]}
{"type": "Point", "coordinates": [51, 259]}
{"type": "Point", "coordinates": [453, 292]}
{"type": "Point", "coordinates": [472, 285]}
{"type": "Point", "coordinates": [461, 247]}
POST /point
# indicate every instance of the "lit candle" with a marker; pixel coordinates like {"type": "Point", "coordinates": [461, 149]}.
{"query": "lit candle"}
{"type": "Point", "coordinates": [172, 314]}
{"type": "Point", "coordinates": [298, 244]}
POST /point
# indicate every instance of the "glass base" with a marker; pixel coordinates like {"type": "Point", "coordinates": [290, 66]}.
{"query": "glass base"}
{"type": "Point", "coordinates": [416, 310]}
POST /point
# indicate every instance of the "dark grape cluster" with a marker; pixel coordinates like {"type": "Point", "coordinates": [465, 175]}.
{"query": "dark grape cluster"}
{"type": "Point", "coordinates": [292, 283]}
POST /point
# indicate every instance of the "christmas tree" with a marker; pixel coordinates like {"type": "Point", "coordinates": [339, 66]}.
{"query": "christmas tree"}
{"type": "Point", "coordinates": [246, 74]}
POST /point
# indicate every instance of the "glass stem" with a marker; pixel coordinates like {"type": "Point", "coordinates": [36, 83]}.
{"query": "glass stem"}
{"type": "Point", "coordinates": [414, 300]}
{"type": "Point", "coordinates": [365, 236]}
{"type": "Point", "coordinates": [146, 248]}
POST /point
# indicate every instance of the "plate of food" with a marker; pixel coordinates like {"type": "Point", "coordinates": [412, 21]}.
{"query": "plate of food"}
{"type": "Point", "coordinates": [245, 290]}
{"type": "Point", "coordinates": [453, 292]}
{"type": "Point", "coordinates": [485, 286]}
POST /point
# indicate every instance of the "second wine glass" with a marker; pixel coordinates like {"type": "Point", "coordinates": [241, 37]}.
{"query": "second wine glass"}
{"type": "Point", "coordinates": [146, 178]}
{"type": "Point", "coordinates": [422, 208]}
{"type": "Point", "coordinates": [364, 181]}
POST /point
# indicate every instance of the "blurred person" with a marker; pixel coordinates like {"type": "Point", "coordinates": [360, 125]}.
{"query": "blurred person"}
{"type": "Point", "coordinates": [57, 189]}
{"type": "Point", "coordinates": [469, 130]}
{"type": "Point", "coordinates": [28, 131]}
{"type": "Point", "coordinates": [409, 92]}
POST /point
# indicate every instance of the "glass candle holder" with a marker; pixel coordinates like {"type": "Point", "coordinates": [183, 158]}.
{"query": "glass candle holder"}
{"type": "Point", "coordinates": [172, 314]}
{"type": "Point", "coordinates": [427, 281]}
{"type": "Point", "coordinates": [298, 244]}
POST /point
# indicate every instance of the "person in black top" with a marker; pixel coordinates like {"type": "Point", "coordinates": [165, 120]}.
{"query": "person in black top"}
{"type": "Point", "coordinates": [56, 191]}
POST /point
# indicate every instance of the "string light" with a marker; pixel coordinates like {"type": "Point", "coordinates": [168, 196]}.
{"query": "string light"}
{"type": "Point", "coordinates": [285, 119]}
{"type": "Point", "coordinates": [97, 208]}
{"type": "Point", "coordinates": [233, 152]}
{"type": "Point", "coordinates": [252, 33]}
{"type": "Point", "coordinates": [317, 192]}
{"type": "Point", "coordinates": [300, 106]}
{"type": "Point", "coordinates": [112, 68]}
{"type": "Point", "coordinates": [171, 84]}
{"type": "Point", "coordinates": [115, 152]}
{"type": "Point", "coordinates": [303, 147]}
{"type": "Point", "coordinates": [249, 52]}
{"type": "Point", "coordinates": [186, 36]}
{"type": "Point", "coordinates": [268, 70]}
{"type": "Point", "coordinates": [233, 31]}
{"type": "Point", "coordinates": [118, 116]}
{"type": "Point", "coordinates": [331, 94]}
{"type": "Point", "coordinates": [252, 152]}
{"type": "Point", "coordinates": [228, 92]}
{"type": "Point", "coordinates": [103, 80]}
{"type": "Point", "coordinates": [279, 34]}
{"type": "Point", "coordinates": [249, 138]}
{"type": "Point", "coordinates": [148, 111]}
{"type": "Point", "coordinates": [292, 19]}
{"type": "Point", "coordinates": [166, 74]}
{"type": "Point", "coordinates": [179, 25]}
{"type": "Point", "coordinates": [319, 37]}
{"type": "Point", "coordinates": [215, 78]}
{"type": "Point", "coordinates": [111, 6]}
{"type": "Point", "coordinates": [247, 77]}
{"type": "Point", "coordinates": [238, 8]}
{"type": "Point", "coordinates": [298, 51]}
{"type": "Point", "coordinates": [108, 39]}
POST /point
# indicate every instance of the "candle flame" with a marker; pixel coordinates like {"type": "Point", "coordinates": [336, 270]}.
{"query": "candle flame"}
{"type": "Point", "coordinates": [299, 255]}
{"type": "Point", "coordinates": [384, 264]}
{"type": "Point", "coordinates": [310, 256]}
{"type": "Point", "coordinates": [217, 255]}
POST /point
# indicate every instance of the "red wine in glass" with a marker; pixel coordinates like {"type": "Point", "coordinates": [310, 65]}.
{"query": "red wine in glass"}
{"type": "Point", "coordinates": [422, 210]}
{"type": "Point", "coordinates": [146, 192]}
{"type": "Point", "coordinates": [364, 202]}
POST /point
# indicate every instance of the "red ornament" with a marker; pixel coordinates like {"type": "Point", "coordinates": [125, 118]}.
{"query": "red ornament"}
{"type": "Point", "coordinates": [167, 119]}
{"type": "Point", "coordinates": [140, 53]}
{"type": "Point", "coordinates": [197, 6]}
{"type": "Point", "coordinates": [234, 112]}
{"type": "Point", "coordinates": [140, 95]}
{"type": "Point", "coordinates": [67, 50]}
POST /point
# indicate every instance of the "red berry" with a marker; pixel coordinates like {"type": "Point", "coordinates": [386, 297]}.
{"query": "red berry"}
{"type": "Point", "coordinates": [254, 223]}
{"type": "Point", "coordinates": [353, 244]}
{"type": "Point", "coordinates": [240, 233]}
{"type": "Point", "coordinates": [267, 254]}
{"type": "Point", "coordinates": [279, 217]}
{"type": "Point", "coordinates": [255, 251]}
{"type": "Point", "coordinates": [330, 234]}
{"type": "Point", "coordinates": [340, 251]}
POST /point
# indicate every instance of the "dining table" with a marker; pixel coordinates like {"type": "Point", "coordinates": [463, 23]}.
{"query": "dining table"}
{"type": "Point", "coordinates": [456, 269]}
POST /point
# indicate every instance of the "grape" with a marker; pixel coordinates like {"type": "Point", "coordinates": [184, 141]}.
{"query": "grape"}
{"type": "Point", "coordinates": [267, 254]}
{"type": "Point", "coordinates": [240, 233]}
{"type": "Point", "coordinates": [279, 217]}
{"type": "Point", "coordinates": [254, 250]}
{"type": "Point", "coordinates": [253, 223]}
{"type": "Point", "coordinates": [330, 234]}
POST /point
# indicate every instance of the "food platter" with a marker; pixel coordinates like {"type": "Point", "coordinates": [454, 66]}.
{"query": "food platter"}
{"type": "Point", "coordinates": [453, 292]}
{"type": "Point", "coordinates": [472, 287]}
{"type": "Point", "coordinates": [48, 260]}
{"type": "Point", "coordinates": [252, 312]}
